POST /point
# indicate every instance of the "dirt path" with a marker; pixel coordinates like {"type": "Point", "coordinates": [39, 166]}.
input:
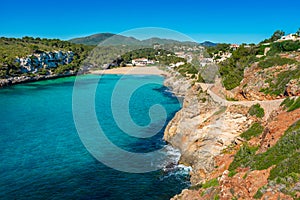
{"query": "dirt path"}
{"type": "Point", "coordinates": [268, 105]}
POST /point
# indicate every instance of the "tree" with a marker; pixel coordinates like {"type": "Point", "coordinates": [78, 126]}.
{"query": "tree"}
{"type": "Point", "coordinates": [298, 32]}
{"type": "Point", "coordinates": [277, 35]}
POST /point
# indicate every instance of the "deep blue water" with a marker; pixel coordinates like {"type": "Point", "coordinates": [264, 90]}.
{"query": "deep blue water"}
{"type": "Point", "coordinates": [42, 156]}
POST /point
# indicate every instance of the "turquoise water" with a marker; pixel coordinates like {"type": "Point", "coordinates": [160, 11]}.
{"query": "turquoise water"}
{"type": "Point", "coordinates": [42, 156]}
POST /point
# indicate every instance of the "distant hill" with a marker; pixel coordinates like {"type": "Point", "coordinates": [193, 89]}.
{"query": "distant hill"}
{"type": "Point", "coordinates": [208, 44]}
{"type": "Point", "coordinates": [114, 39]}
{"type": "Point", "coordinates": [110, 38]}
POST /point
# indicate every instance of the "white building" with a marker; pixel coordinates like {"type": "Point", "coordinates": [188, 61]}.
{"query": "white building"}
{"type": "Point", "coordinates": [288, 37]}
{"type": "Point", "coordinates": [142, 61]}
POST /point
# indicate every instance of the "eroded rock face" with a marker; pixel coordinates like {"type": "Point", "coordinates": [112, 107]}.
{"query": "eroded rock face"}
{"type": "Point", "coordinates": [32, 63]}
{"type": "Point", "coordinates": [202, 129]}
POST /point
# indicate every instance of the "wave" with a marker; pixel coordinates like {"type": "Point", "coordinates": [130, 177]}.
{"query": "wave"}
{"type": "Point", "coordinates": [172, 168]}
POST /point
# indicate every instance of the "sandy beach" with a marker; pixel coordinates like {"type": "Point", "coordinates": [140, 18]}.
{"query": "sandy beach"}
{"type": "Point", "coordinates": [132, 70]}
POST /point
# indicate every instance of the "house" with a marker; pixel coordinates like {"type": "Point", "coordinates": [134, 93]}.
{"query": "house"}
{"type": "Point", "coordinates": [142, 61]}
{"type": "Point", "coordinates": [177, 64]}
{"type": "Point", "coordinates": [234, 46]}
{"type": "Point", "coordinates": [288, 37]}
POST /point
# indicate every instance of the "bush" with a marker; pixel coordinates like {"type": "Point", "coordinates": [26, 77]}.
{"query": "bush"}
{"type": "Point", "coordinates": [255, 130]}
{"type": "Point", "coordinates": [257, 111]}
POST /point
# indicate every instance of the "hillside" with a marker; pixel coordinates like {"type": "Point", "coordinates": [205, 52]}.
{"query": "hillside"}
{"type": "Point", "coordinates": [237, 150]}
{"type": "Point", "coordinates": [240, 132]}
{"type": "Point", "coordinates": [107, 38]}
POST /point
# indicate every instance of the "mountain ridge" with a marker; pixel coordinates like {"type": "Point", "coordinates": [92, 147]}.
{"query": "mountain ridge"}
{"type": "Point", "coordinates": [116, 39]}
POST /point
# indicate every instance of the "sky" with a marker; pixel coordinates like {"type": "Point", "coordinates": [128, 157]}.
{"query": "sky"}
{"type": "Point", "coordinates": [217, 21]}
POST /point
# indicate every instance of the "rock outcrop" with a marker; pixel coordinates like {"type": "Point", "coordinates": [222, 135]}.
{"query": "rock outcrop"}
{"type": "Point", "coordinates": [203, 128]}
{"type": "Point", "coordinates": [46, 60]}
{"type": "Point", "coordinates": [33, 64]}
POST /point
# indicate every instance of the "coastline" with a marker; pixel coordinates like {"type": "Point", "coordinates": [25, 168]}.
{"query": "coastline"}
{"type": "Point", "coordinates": [121, 70]}
{"type": "Point", "coordinates": [25, 79]}
{"type": "Point", "coordinates": [132, 71]}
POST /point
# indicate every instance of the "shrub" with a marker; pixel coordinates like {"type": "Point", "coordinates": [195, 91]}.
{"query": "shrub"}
{"type": "Point", "coordinates": [255, 130]}
{"type": "Point", "coordinates": [257, 111]}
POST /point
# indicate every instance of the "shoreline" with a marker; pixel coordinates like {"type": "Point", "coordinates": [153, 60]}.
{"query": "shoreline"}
{"type": "Point", "coordinates": [25, 79]}
{"type": "Point", "coordinates": [118, 71]}
{"type": "Point", "coordinates": [132, 71]}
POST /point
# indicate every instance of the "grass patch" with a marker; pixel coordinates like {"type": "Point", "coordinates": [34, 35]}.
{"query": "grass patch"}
{"type": "Point", "coordinates": [287, 102]}
{"type": "Point", "coordinates": [258, 194]}
{"type": "Point", "coordinates": [211, 183]}
{"type": "Point", "coordinates": [291, 104]}
{"type": "Point", "coordinates": [295, 105]}
{"type": "Point", "coordinates": [244, 157]}
{"type": "Point", "coordinates": [275, 61]}
{"type": "Point", "coordinates": [257, 111]}
{"type": "Point", "coordinates": [232, 173]}
{"type": "Point", "coordinates": [255, 130]}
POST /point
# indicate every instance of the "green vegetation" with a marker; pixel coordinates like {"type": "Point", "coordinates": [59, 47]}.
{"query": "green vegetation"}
{"type": "Point", "coordinates": [285, 46]}
{"type": "Point", "coordinates": [284, 155]}
{"type": "Point", "coordinates": [187, 69]}
{"type": "Point", "coordinates": [211, 183]}
{"type": "Point", "coordinates": [291, 104]}
{"type": "Point", "coordinates": [149, 53]}
{"type": "Point", "coordinates": [255, 130]}
{"type": "Point", "coordinates": [11, 48]}
{"type": "Point", "coordinates": [230, 99]}
{"type": "Point", "coordinates": [257, 111]}
{"type": "Point", "coordinates": [258, 194]}
{"type": "Point", "coordinates": [232, 173]}
{"type": "Point", "coordinates": [232, 69]}
{"type": "Point", "coordinates": [275, 61]}
{"type": "Point", "coordinates": [222, 47]}
{"type": "Point", "coordinates": [277, 85]}
{"type": "Point", "coordinates": [244, 157]}
{"type": "Point", "coordinates": [276, 35]}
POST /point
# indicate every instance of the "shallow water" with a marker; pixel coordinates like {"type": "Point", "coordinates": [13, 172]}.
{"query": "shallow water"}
{"type": "Point", "coordinates": [42, 155]}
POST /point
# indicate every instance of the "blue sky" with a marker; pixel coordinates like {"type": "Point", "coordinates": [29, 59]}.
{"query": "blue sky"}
{"type": "Point", "coordinates": [219, 21]}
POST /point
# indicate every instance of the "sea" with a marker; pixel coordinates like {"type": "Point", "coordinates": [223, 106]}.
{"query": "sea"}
{"type": "Point", "coordinates": [44, 156]}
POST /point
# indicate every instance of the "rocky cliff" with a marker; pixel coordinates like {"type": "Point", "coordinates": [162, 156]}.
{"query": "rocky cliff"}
{"type": "Point", "coordinates": [40, 66]}
{"type": "Point", "coordinates": [46, 60]}
{"type": "Point", "coordinates": [202, 128]}
{"type": "Point", "coordinates": [210, 136]}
